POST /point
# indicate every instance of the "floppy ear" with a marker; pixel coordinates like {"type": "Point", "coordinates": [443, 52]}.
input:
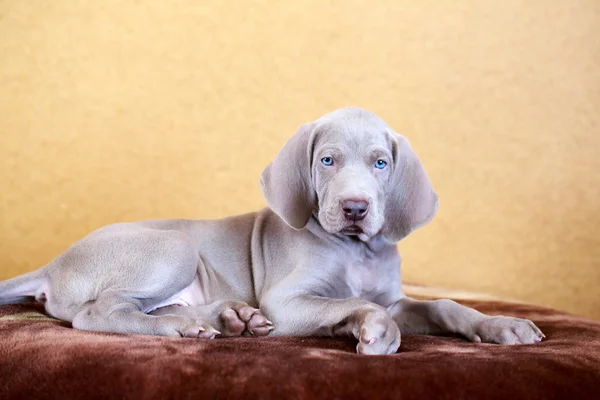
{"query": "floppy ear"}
{"type": "Point", "coordinates": [411, 202]}
{"type": "Point", "coordinates": [286, 182]}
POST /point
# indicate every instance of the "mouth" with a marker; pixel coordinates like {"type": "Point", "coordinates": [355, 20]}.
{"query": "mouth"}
{"type": "Point", "coordinates": [352, 230]}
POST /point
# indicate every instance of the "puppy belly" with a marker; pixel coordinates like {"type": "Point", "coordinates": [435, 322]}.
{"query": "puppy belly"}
{"type": "Point", "coordinates": [192, 295]}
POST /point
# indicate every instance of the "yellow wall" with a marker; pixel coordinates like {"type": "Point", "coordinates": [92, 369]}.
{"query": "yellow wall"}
{"type": "Point", "coordinates": [126, 110]}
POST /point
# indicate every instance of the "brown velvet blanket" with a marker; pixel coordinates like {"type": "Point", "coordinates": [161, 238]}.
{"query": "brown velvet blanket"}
{"type": "Point", "coordinates": [42, 358]}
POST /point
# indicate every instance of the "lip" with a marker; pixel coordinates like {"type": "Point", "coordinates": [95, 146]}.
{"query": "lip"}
{"type": "Point", "coordinates": [352, 230]}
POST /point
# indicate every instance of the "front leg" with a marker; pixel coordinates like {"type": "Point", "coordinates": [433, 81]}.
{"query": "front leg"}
{"type": "Point", "coordinates": [443, 317]}
{"type": "Point", "coordinates": [308, 315]}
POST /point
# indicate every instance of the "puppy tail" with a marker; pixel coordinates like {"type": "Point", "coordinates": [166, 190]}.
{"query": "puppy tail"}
{"type": "Point", "coordinates": [22, 288]}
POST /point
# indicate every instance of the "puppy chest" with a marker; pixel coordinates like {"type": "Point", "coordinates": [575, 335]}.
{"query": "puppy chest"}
{"type": "Point", "coordinates": [364, 279]}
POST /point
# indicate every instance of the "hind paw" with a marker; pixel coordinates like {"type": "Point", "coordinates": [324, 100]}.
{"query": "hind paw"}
{"type": "Point", "coordinates": [198, 330]}
{"type": "Point", "coordinates": [239, 318]}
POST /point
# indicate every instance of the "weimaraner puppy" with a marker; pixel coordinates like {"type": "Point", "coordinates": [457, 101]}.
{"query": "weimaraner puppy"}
{"type": "Point", "coordinates": [321, 260]}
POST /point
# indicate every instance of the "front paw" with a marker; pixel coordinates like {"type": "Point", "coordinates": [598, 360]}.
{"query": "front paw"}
{"type": "Point", "coordinates": [505, 330]}
{"type": "Point", "coordinates": [377, 334]}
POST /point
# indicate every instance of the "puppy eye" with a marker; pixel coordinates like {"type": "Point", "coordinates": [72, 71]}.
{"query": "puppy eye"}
{"type": "Point", "coordinates": [380, 164]}
{"type": "Point", "coordinates": [327, 161]}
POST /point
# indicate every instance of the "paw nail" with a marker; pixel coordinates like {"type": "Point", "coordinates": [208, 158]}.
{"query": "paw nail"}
{"type": "Point", "coordinates": [372, 341]}
{"type": "Point", "coordinates": [270, 328]}
{"type": "Point", "coordinates": [269, 322]}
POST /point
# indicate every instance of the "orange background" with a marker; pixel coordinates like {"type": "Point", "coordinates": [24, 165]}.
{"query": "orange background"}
{"type": "Point", "coordinates": [125, 110]}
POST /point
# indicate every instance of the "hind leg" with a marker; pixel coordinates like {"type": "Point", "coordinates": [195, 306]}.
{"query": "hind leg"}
{"type": "Point", "coordinates": [114, 311]}
{"type": "Point", "coordinates": [232, 318]}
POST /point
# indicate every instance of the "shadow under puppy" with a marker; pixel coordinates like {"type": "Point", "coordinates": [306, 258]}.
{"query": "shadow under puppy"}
{"type": "Point", "coordinates": [321, 260]}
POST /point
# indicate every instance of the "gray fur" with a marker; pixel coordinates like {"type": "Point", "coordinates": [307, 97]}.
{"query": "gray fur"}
{"type": "Point", "coordinates": [308, 266]}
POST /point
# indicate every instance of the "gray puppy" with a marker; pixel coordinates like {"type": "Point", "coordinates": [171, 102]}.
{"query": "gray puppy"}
{"type": "Point", "coordinates": [321, 260]}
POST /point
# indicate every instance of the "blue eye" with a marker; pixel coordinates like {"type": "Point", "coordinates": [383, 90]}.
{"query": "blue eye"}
{"type": "Point", "coordinates": [327, 161]}
{"type": "Point", "coordinates": [380, 164]}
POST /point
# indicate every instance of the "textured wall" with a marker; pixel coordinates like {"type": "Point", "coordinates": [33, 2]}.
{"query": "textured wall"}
{"type": "Point", "coordinates": [125, 110]}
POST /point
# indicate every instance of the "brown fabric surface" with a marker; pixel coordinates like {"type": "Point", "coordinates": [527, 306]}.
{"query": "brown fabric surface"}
{"type": "Point", "coordinates": [43, 358]}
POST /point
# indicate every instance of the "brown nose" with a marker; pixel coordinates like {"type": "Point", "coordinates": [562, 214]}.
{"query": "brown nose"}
{"type": "Point", "coordinates": [355, 210]}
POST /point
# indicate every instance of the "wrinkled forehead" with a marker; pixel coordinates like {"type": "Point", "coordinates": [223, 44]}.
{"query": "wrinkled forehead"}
{"type": "Point", "coordinates": [352, 130]}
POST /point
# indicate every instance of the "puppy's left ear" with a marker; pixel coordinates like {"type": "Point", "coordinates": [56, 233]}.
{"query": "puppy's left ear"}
{"type": "Point", "coordinates": [411, 201]}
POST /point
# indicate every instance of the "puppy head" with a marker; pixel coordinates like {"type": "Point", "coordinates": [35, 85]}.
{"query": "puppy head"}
{"type": "Point", "coordinates": [355, 174]}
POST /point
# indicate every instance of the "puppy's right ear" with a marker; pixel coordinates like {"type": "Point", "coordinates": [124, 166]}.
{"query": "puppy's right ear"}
{"type": "Point", "coordinates": [286, 183]}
